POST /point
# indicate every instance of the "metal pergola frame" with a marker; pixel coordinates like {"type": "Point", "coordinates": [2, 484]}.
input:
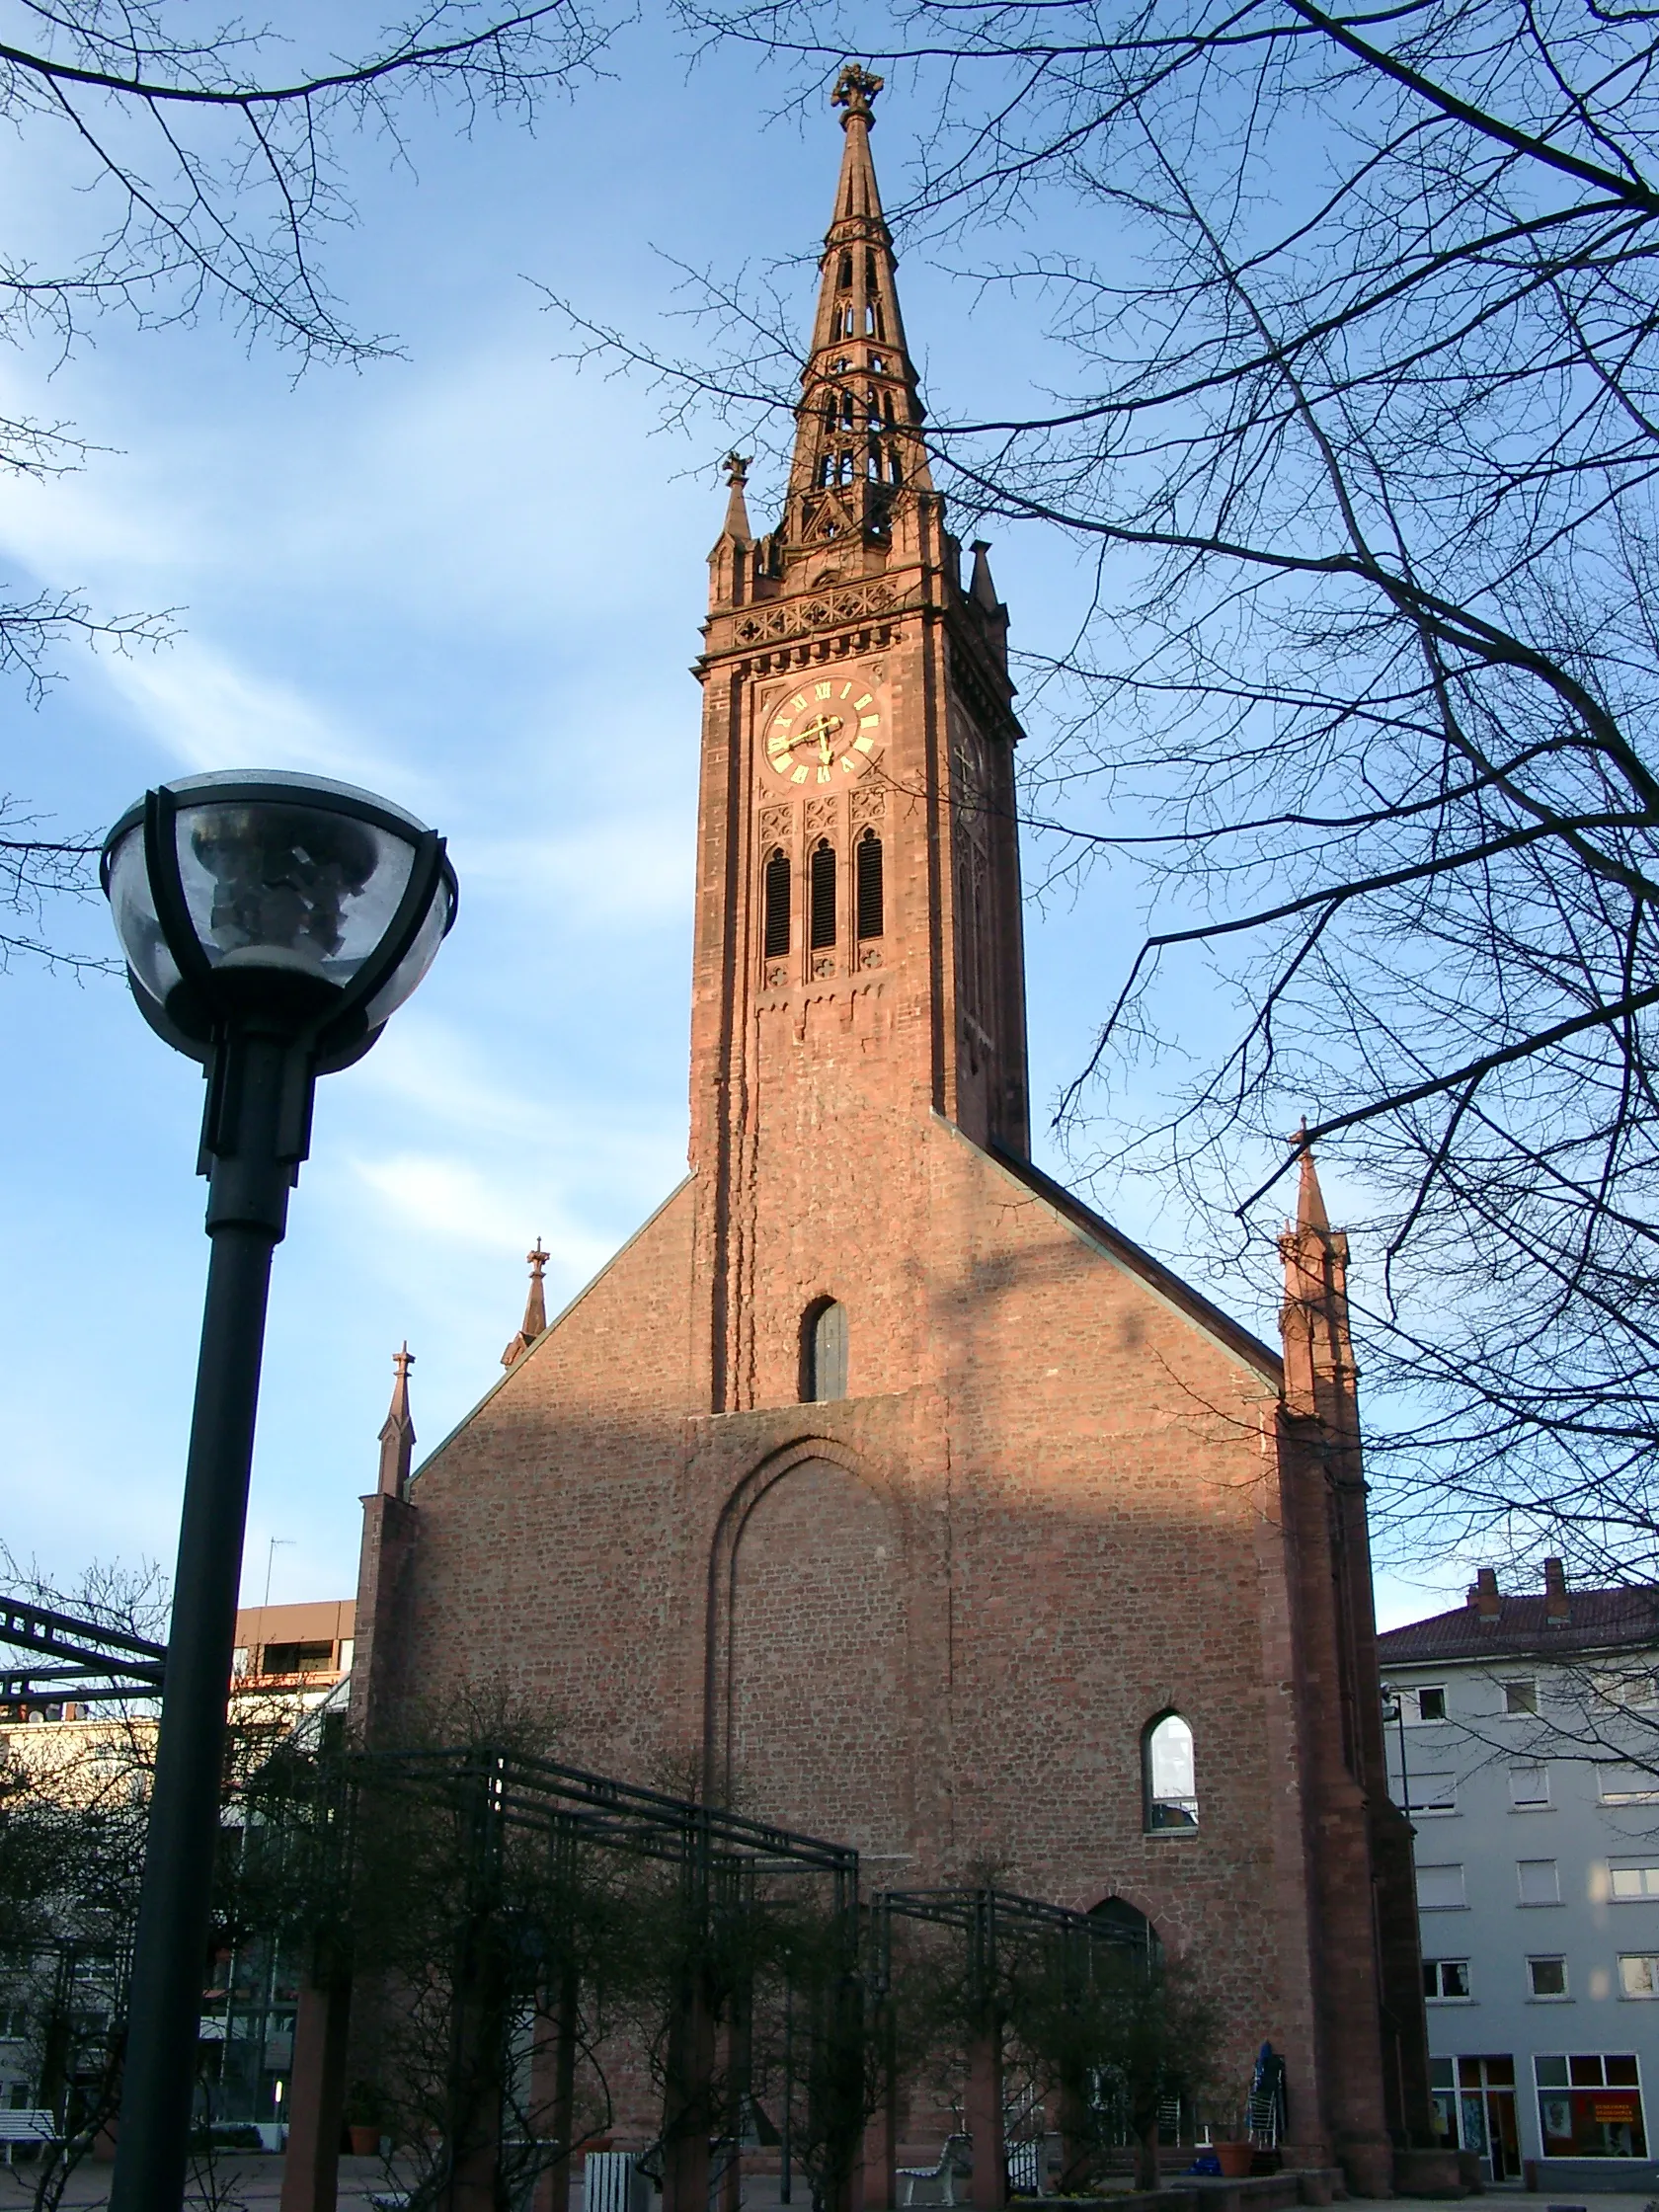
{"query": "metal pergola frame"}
{"type": "Point", "coordinates": [980, 1915]}
{"type": "Point", "coordinates": [106, 1665]}
{"type": "Point", "coordinates": [524, 1790]}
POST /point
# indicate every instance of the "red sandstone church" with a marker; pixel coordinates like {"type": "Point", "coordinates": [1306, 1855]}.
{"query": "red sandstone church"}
{"type": "Point", "coordinates": [877, 1479]}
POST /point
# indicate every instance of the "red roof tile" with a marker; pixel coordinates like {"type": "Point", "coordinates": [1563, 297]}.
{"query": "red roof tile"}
{"type": "Point", "coordinates": [1599, 1620]}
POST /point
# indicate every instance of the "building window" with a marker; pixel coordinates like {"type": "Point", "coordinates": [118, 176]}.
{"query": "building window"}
{"type": "Point", "coordinates": [1440, 1889]}
{"type": "Point", "coordinates": [824, 1352]}
{"type": "Point", "coordinates": [1519, 1696]}
{"type": "Point", "coordinates": [1629, 1691]}
{"type": "Point", "coordinates": [868, 856]}
{"type": "Point", "coordinates": [1529, 1787]}
{"type": "Point", "coordinates": [1168, 1777]}
{"type": "Point", "coordinates": [1638, 1974]}
{"type": "Point", "coordinates": [775, 932]}
{"type": "Point", "coordinates": [297, 1658]}
{"type": "Point", "coordinates": [1446, 1981]}
{"type": "Point", "coordinates": [1434, 1794]}
{"type": "Point", "coordinates": [1431, 1703]}
{"type": "Point", "coordinates": [844, 279]}
{"type": "Point", "coordinates": [1540, 1881]}
{"type": "Point", "coordinates": [1631, 1877]}
{"type": "Point", "coordinates": [1590, 2105]}
{"type": "Point", "coordinates": [1628, 1785]}
{"type": "Point", "coordinates": [1546, 1977]}
{"type": "Point", "coordinates": [823, 916]}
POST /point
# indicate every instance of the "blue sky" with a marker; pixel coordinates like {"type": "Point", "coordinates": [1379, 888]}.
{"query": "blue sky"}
{"type": "Point", "coordinates": [470, 577]}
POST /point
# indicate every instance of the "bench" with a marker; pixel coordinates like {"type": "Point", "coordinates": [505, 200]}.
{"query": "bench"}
{"type": "Point", "coordinates": [954, 2158]}
{"type": "Point", "coordinates": [17, 2126]}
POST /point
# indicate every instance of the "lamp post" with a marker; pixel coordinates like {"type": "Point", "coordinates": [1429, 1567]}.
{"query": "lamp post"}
{"type": "Point", "coordinates": [1393, 1708]}
{"type": "Point", "coordinates": [271, 924]}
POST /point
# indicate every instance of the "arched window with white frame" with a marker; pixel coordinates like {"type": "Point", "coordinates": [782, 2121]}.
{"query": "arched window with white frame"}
{"type": "Point", "coordinates": [1169, 1775]}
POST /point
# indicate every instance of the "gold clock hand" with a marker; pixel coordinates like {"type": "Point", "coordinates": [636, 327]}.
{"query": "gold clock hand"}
{"type": "Point", "coordinates": [814, 733]}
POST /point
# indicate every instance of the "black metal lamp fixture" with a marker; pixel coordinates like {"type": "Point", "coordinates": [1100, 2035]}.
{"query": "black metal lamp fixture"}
{"type": "Point", "coordinates": [271, 924]}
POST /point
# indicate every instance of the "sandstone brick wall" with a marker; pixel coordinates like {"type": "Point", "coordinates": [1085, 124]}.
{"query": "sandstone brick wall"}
{"type": "Point", "coordinates": [932, 1619]}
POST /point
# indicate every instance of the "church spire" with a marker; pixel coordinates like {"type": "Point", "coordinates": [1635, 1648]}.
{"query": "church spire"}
{"type": "Point", "coordinates": [536, 1309]}
{"type": "Point", "coordinates": [397, 1436]}
{"type": "Point", "coordinates": [1310, 1199]}
{"type": "Point", "coordinates": [857, 442]}
{"type": "Point", "coordinates": [1320, 1373]}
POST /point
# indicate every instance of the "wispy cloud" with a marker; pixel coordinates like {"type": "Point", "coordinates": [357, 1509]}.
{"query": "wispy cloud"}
{"type": "Point", "coordinates": [212, 713]}
{"type": "Point", "coordinates": [450, 1198]}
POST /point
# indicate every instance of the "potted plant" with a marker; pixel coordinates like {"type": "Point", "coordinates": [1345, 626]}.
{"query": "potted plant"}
{"type": "Point", "coordinates": [1235, 2160]}
{"type": "Point", "coordinates": [364, 2116]}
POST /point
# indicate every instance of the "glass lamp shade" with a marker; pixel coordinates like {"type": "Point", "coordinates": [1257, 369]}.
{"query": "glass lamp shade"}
{"type": "Point", "coordinates": [275, 892]}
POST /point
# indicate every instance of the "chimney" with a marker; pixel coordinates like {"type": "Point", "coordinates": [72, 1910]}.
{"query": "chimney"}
{"type": "Point", "coordinates": [1557, 1610]}
{"type": "Point", "coordinates": [1483, 1597]}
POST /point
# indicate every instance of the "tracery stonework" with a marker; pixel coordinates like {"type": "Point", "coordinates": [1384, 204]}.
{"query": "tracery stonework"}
{"type": "Point", "coordinates": [1063, 1494]}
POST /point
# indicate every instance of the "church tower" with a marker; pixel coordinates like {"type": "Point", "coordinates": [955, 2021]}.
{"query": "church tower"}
{"type": "Point", "coordinates": [877, 1486]}
{"type": "Point", "coordinates": [858, 959]}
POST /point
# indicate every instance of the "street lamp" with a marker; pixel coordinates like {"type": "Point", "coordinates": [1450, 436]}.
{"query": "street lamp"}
{"type": "Point", "coordinates": [271, 924]}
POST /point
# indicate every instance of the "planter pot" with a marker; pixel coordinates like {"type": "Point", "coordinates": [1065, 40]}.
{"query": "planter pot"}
{"type": "Point", "coordinates": [364, 2141]}
{"type": "Point", "coordinates": [1235, 2160]}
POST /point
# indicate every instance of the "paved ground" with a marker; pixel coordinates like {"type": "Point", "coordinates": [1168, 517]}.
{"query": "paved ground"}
{"type": "Point", "coordinates": [257, 2184]}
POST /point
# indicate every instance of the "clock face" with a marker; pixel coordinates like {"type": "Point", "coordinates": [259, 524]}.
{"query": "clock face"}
{"type": "Point", "coordinates": [825, 730]}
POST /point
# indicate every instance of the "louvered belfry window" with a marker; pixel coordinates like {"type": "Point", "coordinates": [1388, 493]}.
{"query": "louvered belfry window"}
{"type": "Point", "coordinates": [776, 932]}
{"type": "Point", "coordinates": [868, 865]}
{"type": "Point", "coordinates": [822, 895]}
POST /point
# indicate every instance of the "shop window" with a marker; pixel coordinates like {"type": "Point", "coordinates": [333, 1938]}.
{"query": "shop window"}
{"type": "Point", "coordinates": [824, 1352]}
{"type": "Point", "coordinates": [1446, 1981]}
{"type": "Point", "coordinates": [1590, 2105]}
{"type": "Point", "coordinates": [1483, 2112]}
{"type": "Point", "coordinates": [1169, 1776]}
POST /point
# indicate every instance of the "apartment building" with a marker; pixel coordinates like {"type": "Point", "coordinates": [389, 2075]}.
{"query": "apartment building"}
{"type": "Point", "coordinates": [1524, 1746]}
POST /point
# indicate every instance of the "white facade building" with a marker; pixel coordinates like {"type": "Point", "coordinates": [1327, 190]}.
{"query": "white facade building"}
{"type": "Point", "coordinates": [1523, 1744]}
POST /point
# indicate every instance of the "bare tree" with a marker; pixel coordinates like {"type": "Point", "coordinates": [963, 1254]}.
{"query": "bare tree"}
{"type": "Point", "coordinates": [192, 166]}
{"type": "Point", "coordinates": [1353, 338]}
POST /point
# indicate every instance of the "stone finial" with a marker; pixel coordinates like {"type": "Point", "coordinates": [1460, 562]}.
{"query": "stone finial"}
{"type": "Point", "coordinates": [1310, 1199]}
{"type": "Point", "coordinates": [535, 1308]}
{"type": "Point", "coordinates": [736, 508]}
{"type": "Point", "coordinates": [855, 88]}
{"type": "Point", "coordinates": [397, 1435]}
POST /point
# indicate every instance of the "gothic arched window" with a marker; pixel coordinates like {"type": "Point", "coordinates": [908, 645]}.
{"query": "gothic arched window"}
{"type": "Point", "coordinates": [845, 277]}
{"type": "Point", "coordinates": [1130, 1925]}
{"type": "Point", "coordinates": [1168, 1777]}
{"type": "Point", "coordinates": [824, 1352]}
{"type": "Point", "coordinates": [867, 859]}
{"type": "Point", "coordinates": [823, 917]}
{"type": "Point", "coordinates": [776, 933]}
